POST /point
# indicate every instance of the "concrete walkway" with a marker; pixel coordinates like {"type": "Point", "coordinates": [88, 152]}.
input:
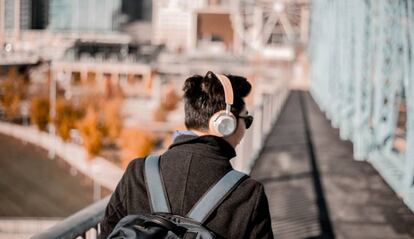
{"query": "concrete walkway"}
{"type": "Point", "coordinates": [316, 189]}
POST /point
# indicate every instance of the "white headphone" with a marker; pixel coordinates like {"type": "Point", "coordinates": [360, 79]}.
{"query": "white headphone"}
{"type": "Point", "coordinates": [223, 123]}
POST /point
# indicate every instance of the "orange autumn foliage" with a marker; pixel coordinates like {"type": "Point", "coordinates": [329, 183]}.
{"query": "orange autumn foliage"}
{"type": "Point", "coordinates": [66, 117]}
{"type": "Point", "coordinates": [91, 132]}
{"type": "Point", "coordinates": [169, 102]}
{"type": "Point", "coordinates": [160, 114]}
{"type": "Point", "coordinates": [135, 143]}
{"type": "Point", "coordinates": [12, 91]}
{"type": "Point", "coordinates": [112, 117]}
{"type": "Point", "coordinates": [170, 99]}
{"type": "Point", "coordinates": [39, 112]}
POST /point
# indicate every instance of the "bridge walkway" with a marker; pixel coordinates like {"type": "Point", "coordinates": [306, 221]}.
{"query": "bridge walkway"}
{"type": "Point", "coordinates": [316, 189]}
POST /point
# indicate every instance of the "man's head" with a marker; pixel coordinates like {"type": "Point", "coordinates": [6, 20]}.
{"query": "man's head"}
{"type": "Point", "coordinates": [204, 96]}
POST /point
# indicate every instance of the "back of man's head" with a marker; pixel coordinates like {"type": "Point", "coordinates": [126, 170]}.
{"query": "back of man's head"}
{"type": "Point", "coordinates": [204, 96]}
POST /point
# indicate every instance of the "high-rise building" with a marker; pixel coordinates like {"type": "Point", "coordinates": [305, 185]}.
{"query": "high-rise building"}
{"type": "Point", "coordinates": [40, 14]}
{"type": "Point", "coordinates": [9, 19]}
{"type": "Point", "coordinates": [25, 14]}
{"type": "Point", "coordinates": [137, 10]}
{"type": "Point", "coordinates": [32, 14]}
{"type": "Point", "coordinates": [84, 15]}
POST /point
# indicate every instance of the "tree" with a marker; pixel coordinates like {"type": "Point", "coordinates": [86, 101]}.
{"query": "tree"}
{"type": "Point", "coordinates": [112, 117]}
{"type": "Point", "coordinates": [160, 114]}
{"type": "Point", "coordinates": [91, 133]}
{"type": "Point", "coordinates": [170, 99]}
{"type": "Point", "coordinates": [66, 117]}
{"type": "Point", "coordinates": [12, 90]}
{"type": "Point", "coordinates": [135, 143]}
{"type": "Point", "coordinates": [169, 102]}
{"type": "Point", "coordinates": [39, 112]}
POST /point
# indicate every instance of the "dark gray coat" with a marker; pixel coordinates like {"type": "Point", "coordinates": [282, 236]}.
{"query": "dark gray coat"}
{"type": "Point", "coordinates": [189, 167]}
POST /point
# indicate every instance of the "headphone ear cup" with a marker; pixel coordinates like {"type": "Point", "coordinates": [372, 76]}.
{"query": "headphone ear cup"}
{"type": "Point", "coordinates": [222, 124]}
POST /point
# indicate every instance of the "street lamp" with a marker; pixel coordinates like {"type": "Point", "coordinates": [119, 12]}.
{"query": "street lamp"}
{"type": "Point", "coordinates": [52, 113]}
{"type": "Point", "coordinates": [96, 170]}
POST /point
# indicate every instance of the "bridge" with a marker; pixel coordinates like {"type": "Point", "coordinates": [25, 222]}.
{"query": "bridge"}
{"type": "Point", "coordinates": [337, 161]}
{"type": "Point", "coordinates": [315, 188]}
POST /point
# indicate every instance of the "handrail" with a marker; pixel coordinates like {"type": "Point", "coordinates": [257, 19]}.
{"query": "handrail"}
{"type": "Point", "coordinates": [265, 114]}
{"type": "Point", "coordinates": [78, 224]}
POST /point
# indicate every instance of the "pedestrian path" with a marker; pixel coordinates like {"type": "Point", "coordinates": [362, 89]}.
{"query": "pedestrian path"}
{"type": "Point", "coordinates": [316, 189]}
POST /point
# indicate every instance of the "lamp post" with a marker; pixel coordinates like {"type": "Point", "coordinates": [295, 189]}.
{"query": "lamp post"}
{"type": "Point", "coordinates": [96, 186]}
{"type": "Point", "coordinates": [2, 23]}
{"type": "Point", "coordinates": [52, 112]}
{"type": "Point", "coordinates": [17, 19]}
{"type": "Point", "coordinates": [25, 113]}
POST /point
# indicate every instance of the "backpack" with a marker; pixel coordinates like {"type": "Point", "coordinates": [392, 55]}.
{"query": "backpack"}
{"type": "Point", "coordinates": [161, 223]}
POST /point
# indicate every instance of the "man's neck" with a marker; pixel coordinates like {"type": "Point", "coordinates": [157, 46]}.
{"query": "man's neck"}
{"type": "Point", "coordinates": [199, 133]}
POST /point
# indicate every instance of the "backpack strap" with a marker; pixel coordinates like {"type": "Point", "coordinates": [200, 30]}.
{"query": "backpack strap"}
{"type": "Point", "coordinates": [155, 186]}
{"type": "Point", "coordinates": [215, 195]}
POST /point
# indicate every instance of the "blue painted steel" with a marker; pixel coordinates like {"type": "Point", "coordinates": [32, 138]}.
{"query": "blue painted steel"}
{"type": "Point", "coordinates": [409, 86]}
{"type": "Point", "coordinates": [362, 78]}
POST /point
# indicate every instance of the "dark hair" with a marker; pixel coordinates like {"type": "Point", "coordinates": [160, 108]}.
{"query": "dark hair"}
{"type": "Point", "coordinates": [204, 96]}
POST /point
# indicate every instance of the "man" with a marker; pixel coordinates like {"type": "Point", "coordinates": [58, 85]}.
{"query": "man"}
{"type": "Point", "coordinates": [197, 159]}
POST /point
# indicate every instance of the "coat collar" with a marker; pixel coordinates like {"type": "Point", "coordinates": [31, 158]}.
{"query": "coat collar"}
{"type": "Point", "coordinates": [206, 144]}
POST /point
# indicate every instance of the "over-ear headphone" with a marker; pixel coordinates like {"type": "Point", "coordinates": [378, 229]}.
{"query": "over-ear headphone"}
{"type": "Point", "coordinates": [223, 123]}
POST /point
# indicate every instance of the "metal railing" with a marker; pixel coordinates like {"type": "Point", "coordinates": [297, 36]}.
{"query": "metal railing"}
{"type": "Point", "coordinates": [86, 223]}
{"type": "Point", "coordinates": [265, 114]}
{"type": "Point", "coordinates": [24, 227]}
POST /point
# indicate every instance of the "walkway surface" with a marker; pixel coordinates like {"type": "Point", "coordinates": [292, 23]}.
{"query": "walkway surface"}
{"type": "Point", "coordinates": [31, 185]}
{"type": "Point", "coordinates": [316, 189]}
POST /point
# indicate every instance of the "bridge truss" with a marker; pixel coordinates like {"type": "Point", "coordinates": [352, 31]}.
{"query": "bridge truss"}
{"type": "Point", "coordinates": [269, 23]}
{"type": "Point", "coordinates": [362, 54]}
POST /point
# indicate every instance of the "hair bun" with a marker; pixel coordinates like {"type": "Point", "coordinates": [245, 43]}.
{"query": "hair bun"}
{"type": "Point", "coordinates": [210, 85]}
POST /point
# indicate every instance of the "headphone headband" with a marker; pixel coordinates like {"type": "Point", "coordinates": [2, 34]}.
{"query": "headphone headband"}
{"type": "Point", "coordinates": [228, 89]}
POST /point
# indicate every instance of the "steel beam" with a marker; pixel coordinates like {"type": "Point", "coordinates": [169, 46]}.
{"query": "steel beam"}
{"type": "Point", "coordinates": [362, 72]}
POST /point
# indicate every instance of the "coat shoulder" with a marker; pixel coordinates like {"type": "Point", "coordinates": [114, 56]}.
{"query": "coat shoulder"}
{"type": "Point", "coordinates": [252, 184]}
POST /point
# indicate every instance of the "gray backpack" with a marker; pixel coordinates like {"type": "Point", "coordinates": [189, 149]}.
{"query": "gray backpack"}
{"type": "Point", "coordinates": [161, 223]}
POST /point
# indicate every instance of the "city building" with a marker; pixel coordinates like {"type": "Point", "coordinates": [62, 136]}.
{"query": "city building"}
{"type": "Point", "coordinates": [85, 15]}
{"type": "Point", "coordinates": [40, 14]}
{"type": "Point", "coordinates": [217, 26]}
{"type": "Point", "coordinates": [137, 10]}
{"type": "Point", "coordinates": [14, 16]}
